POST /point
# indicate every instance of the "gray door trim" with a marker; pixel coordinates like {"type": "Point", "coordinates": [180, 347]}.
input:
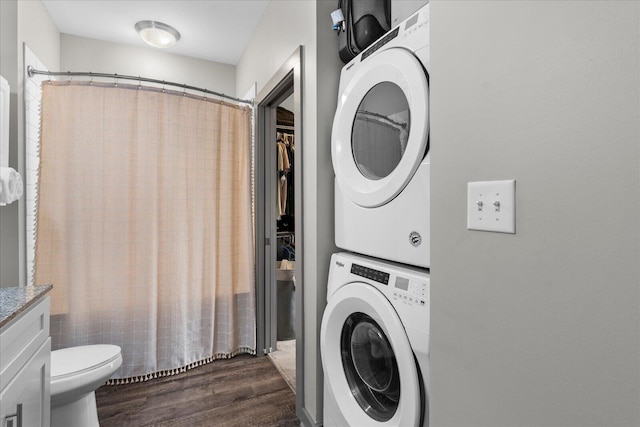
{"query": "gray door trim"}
{"type": "Point", "coordinates": [287, 78]}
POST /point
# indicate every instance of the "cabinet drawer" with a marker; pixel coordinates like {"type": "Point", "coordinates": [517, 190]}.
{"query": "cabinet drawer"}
{"type": "Point", "coordinates": [21, 338]}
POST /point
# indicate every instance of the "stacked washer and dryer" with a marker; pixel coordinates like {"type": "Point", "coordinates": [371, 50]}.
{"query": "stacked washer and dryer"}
{"type": "Point", "coordinates": [375, 330]}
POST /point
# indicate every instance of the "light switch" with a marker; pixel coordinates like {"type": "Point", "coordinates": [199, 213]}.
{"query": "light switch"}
{"type": "Point", "coordinates": [491, 206]}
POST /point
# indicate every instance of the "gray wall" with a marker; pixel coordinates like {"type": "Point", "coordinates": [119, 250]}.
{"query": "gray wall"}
{"type": "Point", "coordinates": [9, 247]}
{"type": "Point", "coordinates": [21, 22]}
{"type": "Point", "coordinates": [329, 66]}
{"type": "Point", "coordinates": [540, 328]}
{"type": "Point", "coordinates": [309, 25]}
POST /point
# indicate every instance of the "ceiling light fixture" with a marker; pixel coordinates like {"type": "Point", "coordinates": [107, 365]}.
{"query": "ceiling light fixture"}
{"type": "Point", "coordinates": [157, 34]}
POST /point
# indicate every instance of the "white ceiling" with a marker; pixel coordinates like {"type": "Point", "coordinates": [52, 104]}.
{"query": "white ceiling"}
{"type": "Point", "coordinates": [216, 30]}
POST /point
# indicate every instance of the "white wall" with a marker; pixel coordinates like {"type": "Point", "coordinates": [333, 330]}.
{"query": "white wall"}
{"type": "Point", "coordinates": [42, 41]}
{"type": "Point", "coordinates": [274, 41]}
{"type": "Point", "coordinates": [540, 328]}
{"type": "Point", "coordinates": [38, 31]}
{"type": "Point", "coordinates": [84, 54]}
{"type": "Point", "coordinates": [308, 24]}
{"type": "Point", "coordinates": [22, 22]}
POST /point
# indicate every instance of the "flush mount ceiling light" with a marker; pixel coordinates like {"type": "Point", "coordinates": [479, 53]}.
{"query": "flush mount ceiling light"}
{"type": "Point", "coordinates": [157, 34]}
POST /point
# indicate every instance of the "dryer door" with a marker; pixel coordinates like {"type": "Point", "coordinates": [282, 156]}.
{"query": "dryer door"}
{"type": "Point", "coordinates": [369, 365]}
{"type": "Point", "coordinates": [381, 127]}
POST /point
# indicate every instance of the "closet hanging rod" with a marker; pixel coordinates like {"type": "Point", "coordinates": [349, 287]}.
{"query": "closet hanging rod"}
{"type": "Point", "coordinates": [32, 71]}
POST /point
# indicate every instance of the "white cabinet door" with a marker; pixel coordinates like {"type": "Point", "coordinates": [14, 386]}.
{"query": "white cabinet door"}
{"type": "Point", "coordinates": [25, 401]}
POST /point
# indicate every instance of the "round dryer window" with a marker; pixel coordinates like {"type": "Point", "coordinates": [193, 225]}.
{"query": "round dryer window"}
{"type": "Point", "coordinates": [381, 127]}
{"type": "Point", "coordinates": [380, 130]}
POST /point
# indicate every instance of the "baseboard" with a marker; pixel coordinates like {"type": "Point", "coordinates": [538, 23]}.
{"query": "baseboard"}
{"type": "Point", "coordinates": [306, 420]}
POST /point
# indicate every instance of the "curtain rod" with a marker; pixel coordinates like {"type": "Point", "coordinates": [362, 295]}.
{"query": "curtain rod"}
{"type": "Point", "coordinates": [32, 71]}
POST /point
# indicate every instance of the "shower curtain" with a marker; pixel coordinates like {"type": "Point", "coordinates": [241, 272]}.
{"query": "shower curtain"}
{"type": "Point", "coordinates": [144, 225]}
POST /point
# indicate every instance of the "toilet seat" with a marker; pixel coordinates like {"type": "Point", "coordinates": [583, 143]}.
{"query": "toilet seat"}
{"type": "Point", "coordinates": [78, 360]}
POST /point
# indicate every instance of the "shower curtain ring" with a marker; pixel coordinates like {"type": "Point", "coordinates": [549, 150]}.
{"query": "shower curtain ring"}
{"type": "Point", "coordinates": [139, 82]}
{"type": "Point", "coordinates": [184, 89]}
{"type": "Point", "coordinates": [205, 94]}
{"type": "Point", "coordinates": [69, 77]}
{"type": "Point", "coordinates": [116, 77]}
{"type": "Point", "coordinates": [90, 78]}
{"type": "Point", "coordinates": [163, 86]}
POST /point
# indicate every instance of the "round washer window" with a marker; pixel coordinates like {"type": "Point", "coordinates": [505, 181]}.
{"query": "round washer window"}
{"type": "Point", "coordinates": [380, 130]}
{"type": "Point", "coordinates": [370, 366]}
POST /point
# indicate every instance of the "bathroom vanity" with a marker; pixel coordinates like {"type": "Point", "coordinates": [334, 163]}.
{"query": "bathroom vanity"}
{"type": "Point", "coordinates": [25, 356]}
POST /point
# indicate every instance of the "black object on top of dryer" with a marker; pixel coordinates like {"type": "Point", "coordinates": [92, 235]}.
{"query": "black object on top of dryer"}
{"type": "Point", "coordinates": [365, 21]}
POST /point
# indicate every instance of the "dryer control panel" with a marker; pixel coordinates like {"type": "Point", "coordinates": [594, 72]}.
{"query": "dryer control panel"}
{"type": "Point", "coordinates": [381, 42]}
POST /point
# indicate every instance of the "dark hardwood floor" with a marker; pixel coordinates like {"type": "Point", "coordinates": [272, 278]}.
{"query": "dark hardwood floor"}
{"type": "Point", "coordinates": [242, 391]}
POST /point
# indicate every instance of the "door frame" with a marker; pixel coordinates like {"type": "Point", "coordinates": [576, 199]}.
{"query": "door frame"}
{"type": "Point", "coordinates": [287, 80]}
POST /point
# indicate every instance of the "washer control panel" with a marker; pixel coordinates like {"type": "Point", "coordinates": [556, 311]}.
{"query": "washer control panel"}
{"type": "Point", "coordinates": [370, 273]}
{"type": "Point", "coordinates": [410, 291]}
{"type": "Point", "coordinates": [406, 289]}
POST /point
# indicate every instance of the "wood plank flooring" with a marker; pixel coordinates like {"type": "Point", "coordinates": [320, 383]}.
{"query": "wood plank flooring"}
{"type": "Point", "coordinates": [242, 391]}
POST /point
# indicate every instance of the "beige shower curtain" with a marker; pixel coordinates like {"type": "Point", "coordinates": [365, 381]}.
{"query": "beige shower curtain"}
{"type": "Point", "coordinates": [144, 224]}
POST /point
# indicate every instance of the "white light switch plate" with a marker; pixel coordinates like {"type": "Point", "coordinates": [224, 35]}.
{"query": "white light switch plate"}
{"type": "Point", "coordinates": [491, 206]}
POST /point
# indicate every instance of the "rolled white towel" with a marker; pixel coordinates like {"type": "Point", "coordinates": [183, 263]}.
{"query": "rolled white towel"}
{"type": "Point", "coordinates": [11, 185]}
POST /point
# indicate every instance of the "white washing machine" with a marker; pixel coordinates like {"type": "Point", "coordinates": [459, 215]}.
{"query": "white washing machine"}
{"type": "Point", "coordinates": [380, 147]}
{"type": "Point", "coordinates": [374, 342]}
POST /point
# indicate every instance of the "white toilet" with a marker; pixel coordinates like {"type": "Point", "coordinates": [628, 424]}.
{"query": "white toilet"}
{"type": "Point", "coordinates": [76, 372]}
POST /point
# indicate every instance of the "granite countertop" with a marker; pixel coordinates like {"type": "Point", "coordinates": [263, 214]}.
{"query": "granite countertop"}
{"type": "Point", "coordinates": [17, 299]}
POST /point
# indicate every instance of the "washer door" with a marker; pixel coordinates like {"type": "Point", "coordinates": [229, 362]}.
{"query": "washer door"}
{"type": "Point", "coordinates": [368, 362]}
{"type": "Point", "coordinates": [381, 127]}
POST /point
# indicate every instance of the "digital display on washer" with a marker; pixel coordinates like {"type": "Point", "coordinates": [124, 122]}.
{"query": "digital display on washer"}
{"type": "Point", "coordinates": [402, 283]}
{"type": "Point", "coordinates": [377, 45]}
{"type": "Point", "coordinates": [370, 273]}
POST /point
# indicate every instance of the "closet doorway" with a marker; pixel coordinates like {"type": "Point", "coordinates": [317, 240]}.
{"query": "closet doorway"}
{"type": "Point", "coordinates": [278, 214]}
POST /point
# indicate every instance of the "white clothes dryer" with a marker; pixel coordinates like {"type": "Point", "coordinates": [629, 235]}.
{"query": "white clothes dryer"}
{"type": "Point", "coordinates": [374, 343]}
{"type": "Point", "coordinates": [380, 147]}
